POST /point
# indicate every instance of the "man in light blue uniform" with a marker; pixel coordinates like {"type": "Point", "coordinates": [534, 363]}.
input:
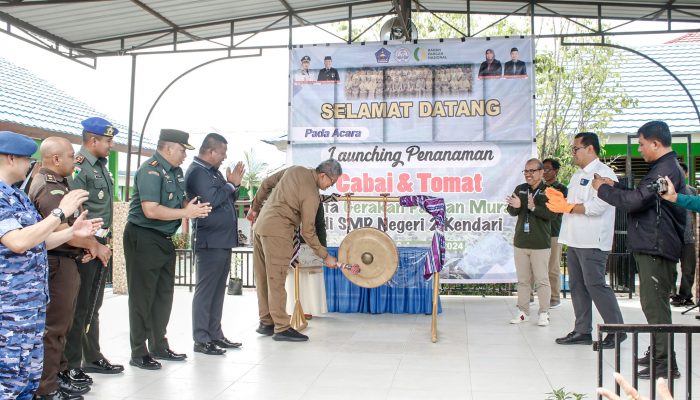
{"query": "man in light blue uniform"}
{"type": "Point", "coordinates": [24, 238]}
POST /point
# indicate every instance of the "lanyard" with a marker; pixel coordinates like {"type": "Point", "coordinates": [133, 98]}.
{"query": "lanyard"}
{"type": "Point", "coordinates": [527, 213]}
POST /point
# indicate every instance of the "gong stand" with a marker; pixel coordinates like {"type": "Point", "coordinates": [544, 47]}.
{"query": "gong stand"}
{"type": "Point", "coordinates": [385, 198]}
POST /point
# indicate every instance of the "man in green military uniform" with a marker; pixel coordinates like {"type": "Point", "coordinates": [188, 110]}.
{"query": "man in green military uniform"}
{"type": "Point", "coordinates": [91, 174]}
{"type": "Point", "coordinates": [155, 214]}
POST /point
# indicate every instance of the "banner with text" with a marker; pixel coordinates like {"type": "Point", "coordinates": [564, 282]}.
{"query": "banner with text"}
{"type": "Point", "coordinates": [449, 119]}
{"type": "Point", "coordinates": [450, 91]}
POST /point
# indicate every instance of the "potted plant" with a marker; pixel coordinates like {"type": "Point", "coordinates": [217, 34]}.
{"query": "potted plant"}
{"type": "Point", "coordinates": [235, 283]}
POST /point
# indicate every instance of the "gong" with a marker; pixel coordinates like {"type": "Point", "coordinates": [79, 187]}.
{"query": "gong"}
{"type": "Point", "coordinates": [375, 253]}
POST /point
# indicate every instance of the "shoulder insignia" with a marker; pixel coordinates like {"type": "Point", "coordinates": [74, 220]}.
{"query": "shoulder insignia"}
{"type": "Point", "coordinates": [76, 171]}
{"type": "Point", "coordinates": [50, 178]}
{"type": "Point", "coordinates": [154, 173]}
{"type": "Point", "coordinates": [154, 163]}
{"type": "Point", "coordinates": [79, 159]}
{"type": "Point", "coordinates": [57, 192]}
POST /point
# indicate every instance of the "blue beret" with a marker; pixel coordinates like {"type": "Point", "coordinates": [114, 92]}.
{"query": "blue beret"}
{"type": "Point", "coordinates": [16, 144]}
{"type": "Point", "coordinates": [99, 126]}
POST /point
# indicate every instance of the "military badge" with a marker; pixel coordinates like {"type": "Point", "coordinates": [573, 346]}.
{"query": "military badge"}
{"type": "Point", "coordinates": [101, 194]}
{"type": "Point", "coordinates": [170, 196]}
{"type": "Point", "coordinates": [109, 131]}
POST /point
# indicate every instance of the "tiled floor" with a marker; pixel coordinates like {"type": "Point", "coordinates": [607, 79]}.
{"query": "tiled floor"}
{"type": "Point", "coordinates": [359, 356]}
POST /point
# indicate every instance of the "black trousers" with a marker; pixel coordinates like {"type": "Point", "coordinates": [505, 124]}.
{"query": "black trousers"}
{"type": "Point", "coordinates": [213, 266]}
{"type": "Point", "coordinates": [654, 287]}
{"type": "Point", "coordinates": [81, 346]}
{"type": "Point", "coordinates": [688, 258]}
{"type": "Point", "coordinates": [150, 276]}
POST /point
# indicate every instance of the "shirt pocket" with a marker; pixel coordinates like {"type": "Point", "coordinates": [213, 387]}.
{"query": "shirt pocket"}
{"type": "Point", "coordinates": [99, 184]}
{"type": "Point", "coordinates": [170, 190]}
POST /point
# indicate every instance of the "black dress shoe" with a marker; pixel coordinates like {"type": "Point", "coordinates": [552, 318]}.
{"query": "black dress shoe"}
{"type": "Point", "coordinates": [208, 348]}
{"type": "Point", "coordinates": [72, 388]}
{"type": "Point", "coordinates": [267, 330]}
{"type": "Point", "coordinates": [290, 335]}
{"type": "Point", "coordinates": [59, 395]}
{"type": "Point", "coordinates": [609, 341]}
{"type": "Point", "coordinates": [169, 355]}
{"type": "Point", "coordinates": [682, 302]}
{"type": "Point", "coordinates": [103, 366]}
{"type": "Point", "coordinates": [75, 376]}
{"type": "Point", "coordinates": [226, 344]}
{"type": "Point", "coordinates": [575, 338]}
{"type": "Point", "coordinates": [661, 371]}
{"type": "Point", "coordinates": [145, 362]}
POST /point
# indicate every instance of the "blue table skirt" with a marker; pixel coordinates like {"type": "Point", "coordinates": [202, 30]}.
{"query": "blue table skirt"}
{"type": "Point", "coordinates": [405, 293]}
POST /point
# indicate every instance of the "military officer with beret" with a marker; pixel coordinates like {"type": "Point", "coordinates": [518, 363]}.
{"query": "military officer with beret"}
{"type": "Point", "coordinates": [156, 211]}
{"type": "Point", "coordinates": [328, 73]}
{"type": "Point", "coordinates": [92, 174]}
{"type": "Point", "coordinates": [24, 239]}
{"type": "Point", "coordinates": [47, 189]}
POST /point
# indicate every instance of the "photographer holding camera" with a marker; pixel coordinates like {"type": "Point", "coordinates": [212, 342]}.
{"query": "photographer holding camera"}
{"type": "Point", "coordinates": [654, 233]}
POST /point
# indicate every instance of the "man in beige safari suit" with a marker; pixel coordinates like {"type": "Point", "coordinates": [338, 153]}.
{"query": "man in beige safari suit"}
{"type": "Point", "coordinates": [294, 202]}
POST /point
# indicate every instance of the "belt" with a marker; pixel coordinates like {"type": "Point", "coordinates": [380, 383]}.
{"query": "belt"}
{"type": "Point", "coordinates": [157, 232]}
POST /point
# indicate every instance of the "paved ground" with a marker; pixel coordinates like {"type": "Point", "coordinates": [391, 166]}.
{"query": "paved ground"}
{"type": "Point", "coordinates": [359, 356]}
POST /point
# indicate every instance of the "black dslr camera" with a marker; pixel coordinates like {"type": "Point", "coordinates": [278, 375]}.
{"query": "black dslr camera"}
{"type": "Point", "coordinates": [659, 186]}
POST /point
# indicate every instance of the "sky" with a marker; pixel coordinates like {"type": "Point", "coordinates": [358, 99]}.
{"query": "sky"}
{"type": "Point", "coordinates": [244, 99]}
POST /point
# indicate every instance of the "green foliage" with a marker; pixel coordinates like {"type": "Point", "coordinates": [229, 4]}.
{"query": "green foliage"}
{"type": "Point", "coordinates": [254, 172]}
{"type": "Point", "coordinates": [561, 394]}
{"type": "Point", "coordinates": [578, 90]}
{"type": "Point", "coordinates": [181, 240]}
{"type": "Point", "coordinates": [480, 289]}
{"type": "Point", "coordinates": [237, 262]}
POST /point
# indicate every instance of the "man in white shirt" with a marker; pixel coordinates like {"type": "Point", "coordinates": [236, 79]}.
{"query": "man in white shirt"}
{"type": "Point", "coordinates": [587, 230]}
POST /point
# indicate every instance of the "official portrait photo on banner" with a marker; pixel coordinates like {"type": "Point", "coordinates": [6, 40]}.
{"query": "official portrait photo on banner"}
{"type": "Point", "coordinates": [451, 119]}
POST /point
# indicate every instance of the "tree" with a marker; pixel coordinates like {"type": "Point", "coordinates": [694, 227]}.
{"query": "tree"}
{"type": "Point", "coordinates": [255, 172]}
{"type": "Point", "coordinates": [578, 89]}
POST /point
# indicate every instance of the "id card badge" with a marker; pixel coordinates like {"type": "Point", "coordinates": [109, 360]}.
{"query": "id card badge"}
{"type": "Point", "coordinates": [526, 227]}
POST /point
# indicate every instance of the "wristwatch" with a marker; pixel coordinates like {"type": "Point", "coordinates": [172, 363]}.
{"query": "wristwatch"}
{"type": "Point", "coordinates": [58, 213]}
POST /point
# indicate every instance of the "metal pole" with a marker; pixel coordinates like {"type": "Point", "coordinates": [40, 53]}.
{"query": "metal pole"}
{"type": "Point", "coordinates": [131, 128]}
{"type": "Point", "coordinates": [153, 106]}
{"type": "Point", "coordinates": [350, 24]}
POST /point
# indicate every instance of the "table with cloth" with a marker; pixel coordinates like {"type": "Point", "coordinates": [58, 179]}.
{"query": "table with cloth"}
{"type": "Point", "coordinates": [407, 292]}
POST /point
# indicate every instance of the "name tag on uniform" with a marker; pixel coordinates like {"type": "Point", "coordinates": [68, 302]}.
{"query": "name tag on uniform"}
{"type": "Point", "coordinates": [584, 181]}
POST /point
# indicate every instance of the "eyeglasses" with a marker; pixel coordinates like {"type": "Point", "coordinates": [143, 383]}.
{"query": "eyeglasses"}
{"type": "Point", "coordinates": [333, 181]}
{"type": "Point", "coordinates": [574, 149]}
{"type": "Point", "coordinates": [530, 171]}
